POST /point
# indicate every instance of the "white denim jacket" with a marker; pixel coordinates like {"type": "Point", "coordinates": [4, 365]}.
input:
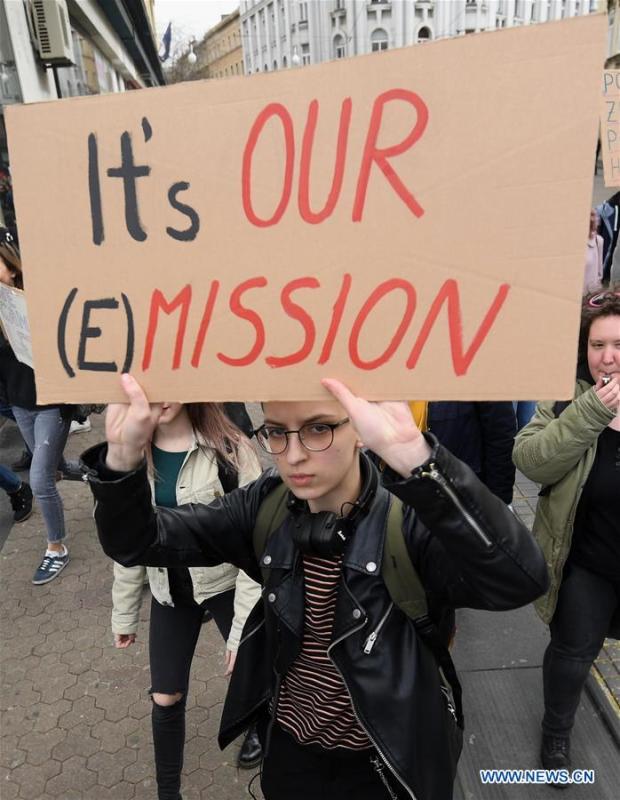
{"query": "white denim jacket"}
{"type": "Point", "coordinates": [197, 482]}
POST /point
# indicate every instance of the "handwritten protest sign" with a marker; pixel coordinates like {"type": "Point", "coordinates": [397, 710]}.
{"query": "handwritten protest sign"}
{"type": "Point", "coordinates": [410, 222]}
{"type": "Point", "coordinates": [610, 127]}
{"type": "Point", "coordinates": [14, 318]}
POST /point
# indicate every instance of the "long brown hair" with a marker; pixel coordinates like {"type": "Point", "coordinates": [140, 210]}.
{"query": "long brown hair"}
{"type": "Point", "coordinates": [213, 428]}
{"type": "Point", "coordinates": [9, 253]}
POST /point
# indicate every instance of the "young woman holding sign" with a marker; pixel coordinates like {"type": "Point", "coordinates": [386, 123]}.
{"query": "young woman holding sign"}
{"type": "Point", "coordinates": [344, 685]}
{"type": "Point", "coordinates": [573, 450]}
{"type": "Point", "coordinates": [195, 455]}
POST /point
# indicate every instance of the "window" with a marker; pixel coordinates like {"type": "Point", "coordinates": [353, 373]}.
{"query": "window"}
{"type": "Point", "coordinates": [339, 4]}
{"type": "Point", "coordinates": [305, 54]}
{"type": "Point", "coordinates": [284, 62]}
{"type": "Point", "coordinates": [303, 12]}
{"type": "Point", "coordinates": [424, 34]}
{"type": "Point", "coordinates": [340, 50]}
{"type": "Point", "coordinates": [378, 40]}
{"type": "Point", "coordinates": [275, 65]}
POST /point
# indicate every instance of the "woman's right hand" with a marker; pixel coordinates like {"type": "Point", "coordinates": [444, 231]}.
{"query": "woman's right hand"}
{"type": "Point", "coordinates": [123, 640]}
{"type": "Point", "coordinates": [608, 393]}
{"type": "Point", "coordinates": [129, 426]}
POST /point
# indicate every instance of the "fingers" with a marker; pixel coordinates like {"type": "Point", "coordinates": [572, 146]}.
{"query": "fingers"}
{"type": "Point", "coordinates": [135, 393]}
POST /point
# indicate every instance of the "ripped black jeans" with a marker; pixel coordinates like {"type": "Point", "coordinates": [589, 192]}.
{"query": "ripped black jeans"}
{"type": "Point", "coordinates": [173, 635]}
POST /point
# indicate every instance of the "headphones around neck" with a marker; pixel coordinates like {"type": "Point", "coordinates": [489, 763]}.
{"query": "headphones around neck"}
{"type": "Point", "coordinates": [325, 533]}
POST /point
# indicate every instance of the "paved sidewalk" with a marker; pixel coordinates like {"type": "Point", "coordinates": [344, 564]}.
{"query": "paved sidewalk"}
{"type": "Point", "coordinates": [76, 714]}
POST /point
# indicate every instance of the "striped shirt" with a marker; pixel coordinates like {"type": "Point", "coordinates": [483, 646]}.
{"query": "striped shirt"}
{"type": "Point", "coordinates": [314, 705]}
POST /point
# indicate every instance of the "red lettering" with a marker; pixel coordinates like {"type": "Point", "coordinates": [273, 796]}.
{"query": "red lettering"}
{"type": "Point", "coordinates": [381, 291]}
{"type": "Point", "coordinates": [158, 301]}
{"type": "Point", "coordinates": [278, 110]}
{"type": "Point", "coordinates": [449, 293]}
{"type": "Point", "coordinates": [380, 156]}
{"type": "Point", "coordinates": [205, 322]}
{"type": "Point", "coordinates": [301, 315]}
{"type": "Point", "coordinates": [334, 325]}
{"type": "Point", "coordinates": [252, 317]}
{"type": "Point", "coordinates": [303, 197]}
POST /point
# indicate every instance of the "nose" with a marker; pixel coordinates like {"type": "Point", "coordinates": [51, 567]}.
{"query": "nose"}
{"type": "Point", "coordinates": [295, 451]}
{"type": "Point", "coordinates": [609, 354]}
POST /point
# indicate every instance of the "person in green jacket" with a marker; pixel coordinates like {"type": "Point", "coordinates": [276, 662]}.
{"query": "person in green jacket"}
{"type": "Point", "coordinates": [573, 450]}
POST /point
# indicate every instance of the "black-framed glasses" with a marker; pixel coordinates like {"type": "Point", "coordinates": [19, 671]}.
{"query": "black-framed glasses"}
{"type": "Point", "coordinates": [314, 436]}
{"type": "Point", "coordinates": [598, 299]}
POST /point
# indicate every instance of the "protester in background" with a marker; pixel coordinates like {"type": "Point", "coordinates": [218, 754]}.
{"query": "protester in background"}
{"type": "Point", "coordinates": [346, 688]}
{"type": "Point", "coordinates": [19, 492]}
{"type": "Point", "coordinates": [573, 450]}
{"type": "Point", "coordinates": [609, 225]}
{"type": "Point", "coordinates": [482, 435]}
{"type": "Point", "coordinates": [196, 454]}
{"type": "Point", "coordinates": [593, 270]}
{"type": "Point", "coordinates": [44, 428]}
{"type": "Point", "coordinates": [524, 411]}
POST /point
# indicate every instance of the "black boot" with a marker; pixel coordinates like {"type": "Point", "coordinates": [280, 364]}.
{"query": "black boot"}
{"type": "Point", "coordinates": [555, 754]}
{"type": "Point", "coordinates": [251, 753]}
{"type": "Point", "coordinates": [21, 502]}
{"type": "Point", "coordinates": [23, 462]}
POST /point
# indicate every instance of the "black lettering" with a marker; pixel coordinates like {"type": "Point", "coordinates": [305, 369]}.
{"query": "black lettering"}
{"type": "Point", "coordinates": [129, 172]}
{"type": "Point", "coordinates": [89, 332]}
{"type": "Point", "coordinates": [94, 190]}
{"type": "Point", "coordinates": [189, 234]}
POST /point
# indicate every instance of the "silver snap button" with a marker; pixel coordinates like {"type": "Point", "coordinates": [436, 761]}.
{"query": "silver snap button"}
{"type": "Point", "coordinates": [356, 613]}
{"type": "Point", "coordinates": [371, 566]}
{"type": "Point", "coordinates": [267, 560]}
{"type": "Point", "coordinates": [271, 597]}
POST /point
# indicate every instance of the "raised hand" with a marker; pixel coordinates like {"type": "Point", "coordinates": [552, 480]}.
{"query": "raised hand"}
{"type": "Point", "coordinates": [129, 426]}
{"type": "Point", "coordinates": [387, 428]}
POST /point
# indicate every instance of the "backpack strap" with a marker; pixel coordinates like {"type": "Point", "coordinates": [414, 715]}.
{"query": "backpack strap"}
{"type": "Point", "coordinates": [408, 593]}
{"type": "Point", "coordinates": [401, 579]}
{"type": "Point", "coordinates": [271, 514]}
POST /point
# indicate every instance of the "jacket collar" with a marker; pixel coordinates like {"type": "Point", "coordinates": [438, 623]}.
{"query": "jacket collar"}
{"type": "Point", "coordinates": [365, 550]}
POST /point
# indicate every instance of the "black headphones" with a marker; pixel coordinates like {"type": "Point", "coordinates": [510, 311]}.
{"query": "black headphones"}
{"type": "Point", "coordinates": [325, 533]}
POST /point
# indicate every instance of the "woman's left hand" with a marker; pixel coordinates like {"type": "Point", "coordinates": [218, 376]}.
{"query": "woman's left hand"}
{"type": "Point", "coordinates": [229, 661]}
{"type": "Point", "coordinates": [387, 428]}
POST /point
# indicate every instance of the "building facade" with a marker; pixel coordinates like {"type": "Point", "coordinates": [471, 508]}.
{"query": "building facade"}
{"type": "Point", "coordinates": [220, 53]}
{"type": "Point", "coordinates": [280, 33]}
{"type": "Point", "coordinates": [110, 47]}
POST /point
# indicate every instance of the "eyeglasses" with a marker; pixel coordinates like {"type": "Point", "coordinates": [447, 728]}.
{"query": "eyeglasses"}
{"type": "Point", "coordinates": [598, 299]}
{"type": "Point", "coordinates": [314, 436]}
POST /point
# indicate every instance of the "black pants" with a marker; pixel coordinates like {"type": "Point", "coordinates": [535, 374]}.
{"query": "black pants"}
{"type": "Point", "coordinates": [586, 605]}
{"type": "Point", "coordinates": [173, 636]}
{"type": "Point", "coordinates": [292, 771]}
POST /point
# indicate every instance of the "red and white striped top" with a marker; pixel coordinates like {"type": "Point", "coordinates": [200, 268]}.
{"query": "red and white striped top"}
{"type": "Point", "coordinates": [314, 705]}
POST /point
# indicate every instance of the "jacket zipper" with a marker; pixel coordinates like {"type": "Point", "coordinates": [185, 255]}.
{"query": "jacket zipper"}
{"type": "Point", "coordinates": [370, 642]}
{"type": "Point", "coordinates": [359, 722]}
{"type": "Point", "coordinates": [433, 474]}
{"type": "Point", "coordinates": [252, 632]}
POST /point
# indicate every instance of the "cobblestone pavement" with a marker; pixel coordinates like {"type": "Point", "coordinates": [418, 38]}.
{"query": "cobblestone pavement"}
{"type": "Point", "coordinates": [76, 714]}
{"type": "Point", "coordinates": [75, 711]}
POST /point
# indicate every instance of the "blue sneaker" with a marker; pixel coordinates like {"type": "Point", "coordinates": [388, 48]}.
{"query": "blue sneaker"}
{"type": "Point", "coordinates": [51, 566]}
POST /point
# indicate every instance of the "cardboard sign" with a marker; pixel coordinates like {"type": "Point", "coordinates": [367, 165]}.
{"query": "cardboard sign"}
{"type": "Point", "coordinates": [610, 127]}
{"type": "Point", "coordinates": [410, 222]}
{"type": "Point", "coordinates": [14, 318]}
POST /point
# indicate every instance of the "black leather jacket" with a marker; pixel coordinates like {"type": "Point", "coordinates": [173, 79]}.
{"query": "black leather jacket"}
{"type": "Point", "coordinates": [468, 548]}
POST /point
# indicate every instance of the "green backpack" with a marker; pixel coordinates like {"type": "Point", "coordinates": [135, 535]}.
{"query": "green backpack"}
{"type": "Point", "coordinates": [400, 576]}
